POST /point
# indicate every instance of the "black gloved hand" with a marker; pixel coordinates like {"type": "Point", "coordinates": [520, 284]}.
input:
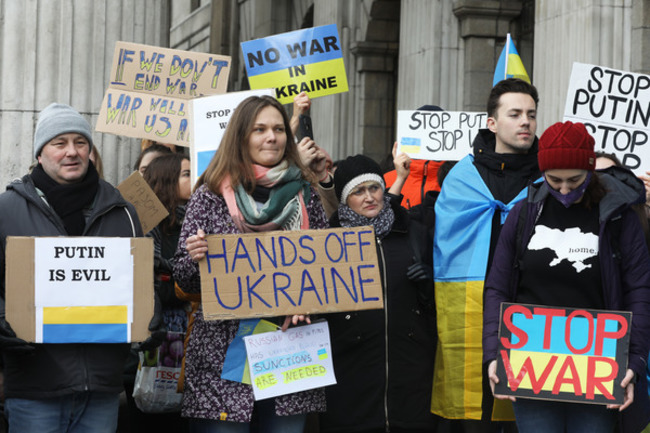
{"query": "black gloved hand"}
{"type": "Point", "coordinates": [9, 341]}
{"type": "Point", "coordinates": [156, 327]}
{"type": "Point", "coordinates": [419, 272]}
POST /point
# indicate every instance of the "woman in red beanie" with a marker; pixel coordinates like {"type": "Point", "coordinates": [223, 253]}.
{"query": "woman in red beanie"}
{"type": "Point", "coordinates": [575, 243]}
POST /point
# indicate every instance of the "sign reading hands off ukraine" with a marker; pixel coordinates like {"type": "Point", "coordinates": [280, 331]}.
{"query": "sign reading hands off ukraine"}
{"type": "Point", "coordinates": [308, 60]}
{"type": "Point", "coordinates": [290, 272]}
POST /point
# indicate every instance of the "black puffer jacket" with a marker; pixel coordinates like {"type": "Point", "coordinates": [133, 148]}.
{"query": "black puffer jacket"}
{"type": "Point", "coordinates": [59, 369]}
{"type": "Point", "coordinates": [361, 399]}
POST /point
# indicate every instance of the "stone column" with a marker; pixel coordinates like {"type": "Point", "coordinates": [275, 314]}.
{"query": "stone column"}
{"type": "Point", "coordinates": [375, 66]}
{"type": "Point", "coordinates": [483, 27]}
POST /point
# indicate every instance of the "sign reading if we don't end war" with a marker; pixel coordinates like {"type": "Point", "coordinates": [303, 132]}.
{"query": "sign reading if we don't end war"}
{"type": "Point", "coordinates": [150, 88]}
{"type": "Point", "coordinates": [307, 60]}
{"type": "Point", "coordinates": [283, 272]}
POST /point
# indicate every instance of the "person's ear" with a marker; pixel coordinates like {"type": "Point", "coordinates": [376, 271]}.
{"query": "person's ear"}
{"type": "Point", "coordinates": [492, 124]}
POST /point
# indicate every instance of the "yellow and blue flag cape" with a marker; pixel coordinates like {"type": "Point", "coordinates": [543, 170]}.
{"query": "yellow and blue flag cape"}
{"type": "Point", "coordinates": [464, 212]}
{"type": "Point", "coordinates": [509, 64]}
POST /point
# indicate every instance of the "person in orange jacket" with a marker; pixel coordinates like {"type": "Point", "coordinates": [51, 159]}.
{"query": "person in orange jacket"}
{"type": "Point", "coordinates": [423, 177]}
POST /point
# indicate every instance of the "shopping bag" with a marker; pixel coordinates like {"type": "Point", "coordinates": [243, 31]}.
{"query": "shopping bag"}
{"type": "Point", "coordinates": [157, 377]}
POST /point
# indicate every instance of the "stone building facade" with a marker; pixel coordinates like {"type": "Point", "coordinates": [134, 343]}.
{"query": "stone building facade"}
{"type": "Point", "coordinates": [399, 54]}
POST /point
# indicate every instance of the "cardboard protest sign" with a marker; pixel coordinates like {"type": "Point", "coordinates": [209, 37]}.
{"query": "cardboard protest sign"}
{"type": "Point", "coordinates": [307, 60]}
{"type": "Point", "coordinates": [137, 191]}
{"type": "Point", "coordinates": [614, 105]}
{"type": "Point", "coordinates": [292, 361]}
{"type": "Point", "coordinates": [438, 135]}
{"type": "Point", "coordinates": [150, 87]}
{"type": "Point", "coordinates": [79, 289]}
{"type": "Point", "coordinates": [285, 272]}
{"type": "Point", "coordinates": [562, 354]}
{"type": "Point", "coordinates": [210, 118]}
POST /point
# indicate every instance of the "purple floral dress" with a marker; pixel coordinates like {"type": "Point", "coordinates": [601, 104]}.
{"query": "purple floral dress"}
{"type": "Point", "coordinates": [206, 395]}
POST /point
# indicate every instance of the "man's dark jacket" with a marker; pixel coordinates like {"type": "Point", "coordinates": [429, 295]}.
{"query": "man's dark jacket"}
{"type": "Point", "coordinates": [60, 369]}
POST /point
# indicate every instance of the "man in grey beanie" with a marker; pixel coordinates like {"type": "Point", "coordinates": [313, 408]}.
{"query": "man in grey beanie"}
{"type": "Point", "coordinates": [73, 386]}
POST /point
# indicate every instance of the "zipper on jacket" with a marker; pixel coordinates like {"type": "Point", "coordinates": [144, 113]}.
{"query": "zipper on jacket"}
{"type": "Point", "coordinates": [383, 261]}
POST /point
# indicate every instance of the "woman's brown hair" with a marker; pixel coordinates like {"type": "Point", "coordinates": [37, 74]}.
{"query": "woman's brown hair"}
{"type": "Point", "coordinates": [162, 175]}
{"type": "Point", "coordinates": [232, 158]}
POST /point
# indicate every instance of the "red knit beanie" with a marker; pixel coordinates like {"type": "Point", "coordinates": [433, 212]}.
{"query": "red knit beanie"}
{"type": "Point", "coordinates": [566, 145]}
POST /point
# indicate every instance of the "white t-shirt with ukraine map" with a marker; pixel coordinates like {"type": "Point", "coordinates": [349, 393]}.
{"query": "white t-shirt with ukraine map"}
{"type": "Point", "coordinates": [560, 266]}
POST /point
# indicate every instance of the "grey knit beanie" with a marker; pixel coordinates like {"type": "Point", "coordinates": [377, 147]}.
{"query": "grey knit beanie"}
{"type": "Point", "coordinates": [57, 119]}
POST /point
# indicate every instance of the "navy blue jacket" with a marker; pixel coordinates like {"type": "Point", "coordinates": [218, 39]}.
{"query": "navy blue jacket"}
{"type": "Point", "coordinates": [626, 282]}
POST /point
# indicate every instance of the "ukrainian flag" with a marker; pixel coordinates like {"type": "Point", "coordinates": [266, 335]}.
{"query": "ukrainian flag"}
{"type": "Point", "coordinates": [90, 324]}
{"type": "Point", "coordinates": [464, 213]}
{"type": "Point", "coordinates": [509, 64]}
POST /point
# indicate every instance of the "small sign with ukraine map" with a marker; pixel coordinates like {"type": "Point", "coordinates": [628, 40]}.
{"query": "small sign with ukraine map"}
{"type": "Point", "coordinates": [307, 60]}
{"type": "Point", "coordinates": [286, 362]}
{"type": "Point", "coordinates": [79, 289]}
{"type": "Point", "coordinates": [563, 354]}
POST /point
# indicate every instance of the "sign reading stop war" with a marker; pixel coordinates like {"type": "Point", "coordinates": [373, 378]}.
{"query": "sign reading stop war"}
{"type": "Point", "coordinates": [438, 135]}
{"type": "Point", "coordinates": [150, 88]}
{"type": "Point", "coordinates": [562, 354]}
{"type": "Point", "coordinates": [615, 107]}
{"type": "Point", "coordinates": [280, 273]}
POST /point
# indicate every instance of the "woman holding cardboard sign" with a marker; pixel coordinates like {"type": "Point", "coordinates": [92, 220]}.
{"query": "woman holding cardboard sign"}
{"type": "Point", "coordinates": [383, 359]}
{"type": "Point", "coordinates": [574, 243]}
{"type": "Point", "coordinates": [254, 183]}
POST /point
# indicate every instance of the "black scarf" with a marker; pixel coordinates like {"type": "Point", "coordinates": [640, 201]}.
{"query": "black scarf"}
{"type": "Point", "coordinates": [382, 223]}
{"type": "Point", "coordinates": [68, 200]}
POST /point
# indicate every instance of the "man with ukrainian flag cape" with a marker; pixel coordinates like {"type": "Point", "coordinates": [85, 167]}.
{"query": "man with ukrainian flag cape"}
{"type": "Point", "coordinates": [475, 199]}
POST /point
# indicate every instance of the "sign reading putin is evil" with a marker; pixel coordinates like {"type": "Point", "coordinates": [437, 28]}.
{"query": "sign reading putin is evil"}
{"type": "Point", "coordinates": [290, 272]}
{"type": "Point", "coordinates": [563, 354]}
{"type": "Point", "coordinates": [307, 60]}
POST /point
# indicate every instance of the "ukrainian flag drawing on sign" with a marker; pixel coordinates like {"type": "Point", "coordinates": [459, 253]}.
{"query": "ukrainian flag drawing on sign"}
{"type": "Point", "coordinates": [102, 324]}
{"type": "Point", "coordinates": [308, 60]}
{"type": "Point", "coordinates": [509, 64]}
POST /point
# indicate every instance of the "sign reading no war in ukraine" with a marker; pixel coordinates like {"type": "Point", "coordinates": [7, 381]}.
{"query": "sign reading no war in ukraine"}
{"type": "Point", "coordinates": [562, 354]}
{"type": "Point", "coordinates": [280, 273]}
{"type": "Point", "coordinates": [308, 60]}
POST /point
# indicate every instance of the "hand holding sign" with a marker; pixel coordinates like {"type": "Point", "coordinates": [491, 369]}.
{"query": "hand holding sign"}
{"type": "Point", "coordinates": [628, 397]}
{"type": "Point", "coordinates": [494, 379]}
{"type": "Point", "coordinates": [197, 246]}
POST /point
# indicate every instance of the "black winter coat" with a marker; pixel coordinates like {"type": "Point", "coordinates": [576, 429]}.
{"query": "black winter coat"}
{"type": "Point", "coordinates": [59, 369]}
{"type": "Point", "coordinates": [371, 393]}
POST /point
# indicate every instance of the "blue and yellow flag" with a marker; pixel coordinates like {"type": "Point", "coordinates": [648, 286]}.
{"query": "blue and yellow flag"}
{"type": "Point", "coordinates": [464, 212]}
{"type": "Point", "coordinates": [509, 64]}
{"type": "Point", "coordinates": [90, 324]}
{"type": "Point", "coordinates": [235, 366]}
